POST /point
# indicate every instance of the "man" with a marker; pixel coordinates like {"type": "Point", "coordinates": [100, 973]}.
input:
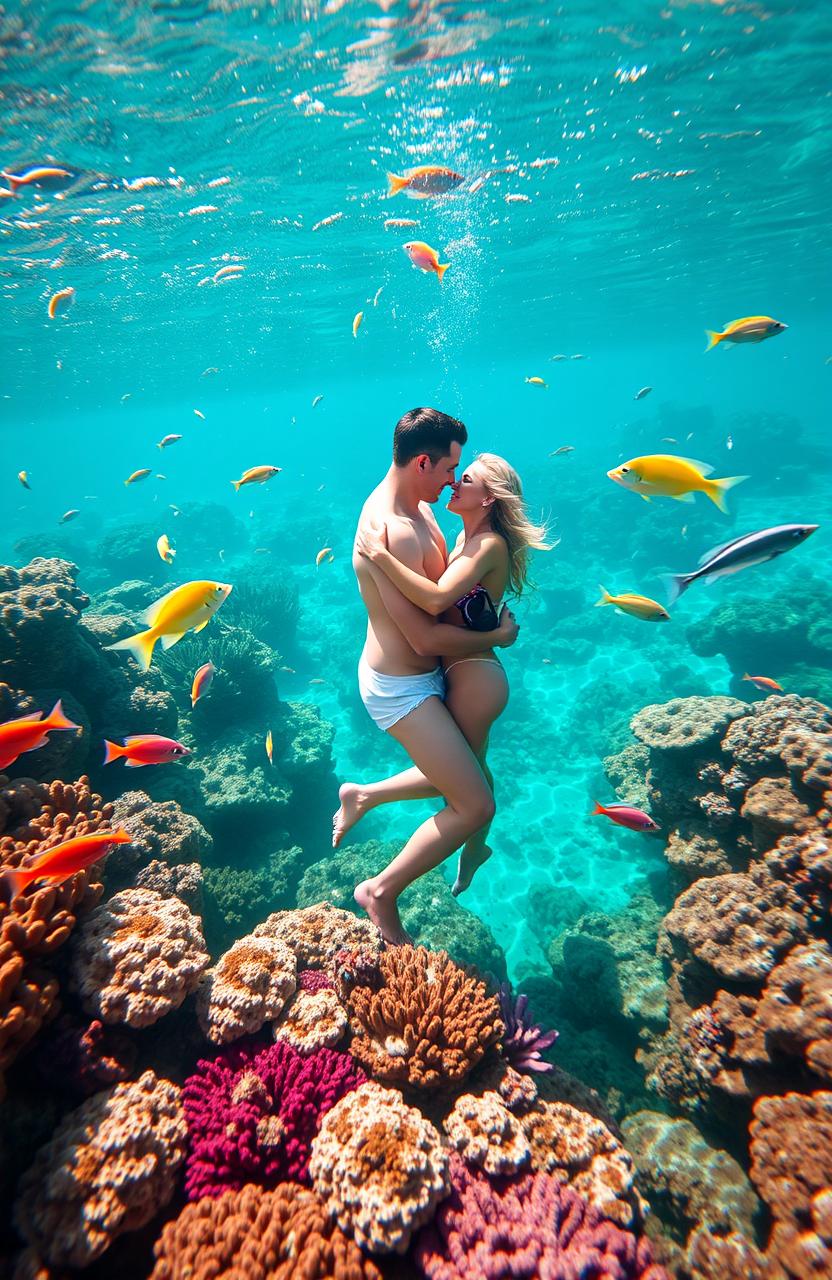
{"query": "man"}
{"type": "Point", "coordinates": [402, 684]}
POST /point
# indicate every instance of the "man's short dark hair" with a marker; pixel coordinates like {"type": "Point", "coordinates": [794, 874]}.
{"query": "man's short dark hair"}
{"type": "Point", "coordinates": [426, 431]}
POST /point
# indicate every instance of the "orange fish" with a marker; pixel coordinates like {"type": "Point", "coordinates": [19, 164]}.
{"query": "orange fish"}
{"type": "Point", "coordinates": [425, 258]}
{"type": "Point", "coordinates": [38, 175]}
{"type": "Point", "coordinates": [141, 749]}
{"type": "Point", "coordinates": [27, 733]}
{"type": "Point", "coordinates": [424, 181]}
{"type": "Point", "coordinates": [764, 682]}
{"type": "Point", "coordinates": [202, 682]}
{"type": "Point", "coordinates": [255, 475]}
{"type": "Point", "coordinates": [64, 860]}
{"type": "Point", "coordinates": [60, 301]}
{"type": "Point", "coordinates": [141, 474]}
{"type": "Point", "coordinates": [356, 323]}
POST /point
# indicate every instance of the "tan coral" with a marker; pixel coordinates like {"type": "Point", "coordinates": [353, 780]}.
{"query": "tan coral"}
{"type": "Point", "coordinates": [109, 1168]}
{"type": "Point", "coordinates": [316, 933]}
{"type": "Point", "coordinates": [34, 817]}
{"type": "Point", "coordinates": [430, 1022]}
{"type": "Point", "coordinates": [282, 1234]}
{"type": "Point", "coordinates": [247, 987]}
{"type": "Point", "coordinates": [685, 724]}
{"type": "Point", "coordinates": [791, 1167]}
{"type": "Point", "coordinates": [731, 1257]}
{"type": "Point", "coordinates": [313, 1020]}
{"type": "Point", "coordinates": [379, 1166]}
{"type": "Point", "coordinates": [137, 957]}
{"type": "Point", "coordinates": [774, 810]}
{"type": "Point", "coordinates": [580, 1150]}
{"type": "Point", "coordinates": [485, 1133]}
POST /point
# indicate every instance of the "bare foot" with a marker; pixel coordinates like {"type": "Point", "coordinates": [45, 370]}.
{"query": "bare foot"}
{"type": "Point", "coordinates": [470, 860]}
{"type": "Point", "coordinates": [383, 912]}
{"type": "Point", "coordinates": [353, 806]}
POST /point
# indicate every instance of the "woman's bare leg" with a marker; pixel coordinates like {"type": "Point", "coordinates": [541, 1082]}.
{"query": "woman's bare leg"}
{"type": "Point", "coordinates": [355, 799]}
{"type": "Point", "coordinates": [477, 696]}
{"type": "Point", "coordinates": [437, 747]}
{"type": "Point", "coordinates": [476, 850]}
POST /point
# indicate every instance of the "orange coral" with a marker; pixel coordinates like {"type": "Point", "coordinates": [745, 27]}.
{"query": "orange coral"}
{"type": "Point", "coordinates": [791, 1167]}
{"type": "Point", "coordinates": [312, 1020]}
{"type": "Point", "coordinates": [35, 816]}
{"type": "Point", "coordinates": [430, 1022]}
{"type": "Point", "coordinates": [316, 933]}
{"type": "Point", "coordinates": [262, 1235]}
{"type": "Point", "coordinates": [485, 1133]}
{"type": "Point", "coordinates": [249, 985]}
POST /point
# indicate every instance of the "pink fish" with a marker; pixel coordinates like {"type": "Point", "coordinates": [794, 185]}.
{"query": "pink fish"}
{"type": "Point", "coordinates": [627, 816]}
{"type": "Point", "coordinates": [145, 748]}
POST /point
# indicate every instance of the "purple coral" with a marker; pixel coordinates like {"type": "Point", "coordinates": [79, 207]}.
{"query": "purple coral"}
{"type": "Point", "coordinates": [528, 1227]}
{"type": "Point", "coordinates": [524, 1041]}
{"type": "Point", "coordinates": [252, 1113]}
{"type": "Point", "coordinates": [314, 980]}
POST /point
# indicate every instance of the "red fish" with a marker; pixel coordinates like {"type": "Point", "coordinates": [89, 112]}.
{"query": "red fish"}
{"type": "Point", "coordinates": [27, 733]}
{"type": "Point", "coordinates": [64, 860]}
{"type": "Point", "coordinates": [625, 815]}
{"type": "Point", "coordinates": [764, 682]}
{"type": "Point", "coordinates": [145, 748]}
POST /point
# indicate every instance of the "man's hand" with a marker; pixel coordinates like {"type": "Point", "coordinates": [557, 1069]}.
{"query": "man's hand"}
{"type": "Point", "coordinates": [508, 630]}
{"type": "Point", "coordinates": [370, 540]}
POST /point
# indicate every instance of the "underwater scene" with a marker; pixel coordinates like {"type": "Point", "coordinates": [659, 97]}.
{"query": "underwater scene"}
{"type": "Point", "coordinates": [416, 473]}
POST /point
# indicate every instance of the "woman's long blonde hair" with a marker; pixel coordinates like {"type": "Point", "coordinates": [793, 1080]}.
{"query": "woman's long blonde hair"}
{"type": "Point", "coordinates": [510, 519]}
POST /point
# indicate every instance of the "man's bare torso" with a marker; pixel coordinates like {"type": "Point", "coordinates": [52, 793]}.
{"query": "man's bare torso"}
{"type": "Point", "coordinates": [422, 547]}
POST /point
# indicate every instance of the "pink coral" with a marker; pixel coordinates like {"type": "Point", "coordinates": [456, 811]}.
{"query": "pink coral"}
{"type": "Point", "coordinates": [252, 1113]}
{"type": "Point", "coordinates": [528, 1227]}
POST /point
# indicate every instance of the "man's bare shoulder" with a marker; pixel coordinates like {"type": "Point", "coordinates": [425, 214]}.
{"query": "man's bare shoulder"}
{"type": "Point", "coordinates": [427, 512]}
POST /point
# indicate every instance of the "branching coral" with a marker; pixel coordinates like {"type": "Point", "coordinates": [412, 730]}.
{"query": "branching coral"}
{"type": "Point", "coordinates": [380, 1166]}
{"type": "Point", "coordinates": [523, 1041]}
{"type": "Point", "coordinates": [249, 985]}
{"type": "Point", "coordinates": [429, 1023]}
{"type": "Point", "coordinates": [109, 1168]}
{"type": "Point", "coordinates": [137, 957]}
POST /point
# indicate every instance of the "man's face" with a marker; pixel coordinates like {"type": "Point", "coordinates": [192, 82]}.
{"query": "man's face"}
{"type": "Point", "coordinates": [433, 477]}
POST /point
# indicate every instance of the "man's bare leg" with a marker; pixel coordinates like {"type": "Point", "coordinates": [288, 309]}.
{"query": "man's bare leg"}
{"type": "Point", "coordinates": [434, 742]}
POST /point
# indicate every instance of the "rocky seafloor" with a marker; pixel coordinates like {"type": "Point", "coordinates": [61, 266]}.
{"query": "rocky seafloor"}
{"type": "Point", "coordinates": [212, 1066]}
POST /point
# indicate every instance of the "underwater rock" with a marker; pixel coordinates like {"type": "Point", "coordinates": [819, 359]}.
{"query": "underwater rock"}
{"type": "Point", "coordinates": [80, 1058]}
{"type": "Point", "coordinates": [545, 1229]}
{"type": "Point", "coordinates": [686, 724]}
{"type": "Point", "coordinates": [686, 1179]}
{"type": "Point", "coordinates": [240, 789]}
{"type": "Point", "coordinates": [767, 634]}
{"type": "Point", "coordinates": [253, 1112]}
{"type": "Point", "coordinates": [693, 851]}
{"type": "Point", "coordinates": [40, 606]}
{"type": "Point", "coordinates": [34, 816]}
{"type": "Point", "coordinates": [430, 1022]}
{"type": "Point", "coordinates": [161, 830]}
{"type": "Point", "coordinates": [238, 898]}
{"type": "Point", "coordinates": [248, 986]}
{"type": "Point", "coordinates": [486, 1134]}
{"type": "Point", "coordinates": [312, 1020]}
{"type": "Point", "coordinates": [137, 957]}
{"type": "Point", "coordinates": [183, 881]}
{"type": "Point", "coordinates": [317, 932]}
{"type": "Point", "coordinates": [627, 774]}
{"type": "Point", "coordinates": [109, 1168]}
{"type": "Point", "coordinates": [371, 1150]}
{"type": "Point", "coordinates": [730, 1257]}
{"type": "Point", "coordinates": [759, 739]}
{"type": "Point", "coordinates": [773, 810]}
{"type": "Point", "coordinates": [126, 551]}
{"type": "Point", "coordinates": [264, 1235]}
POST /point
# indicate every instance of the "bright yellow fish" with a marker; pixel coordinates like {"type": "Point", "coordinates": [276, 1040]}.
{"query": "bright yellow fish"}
{"type": "Point", "coordinates": [666, 476]}
{"type": "Point", "coordinates": [270, 746]}
{"type": "Point", "coordinates": [356, 324]}
{"type": "Point", "coordinates": [538, 382]}
{"type": "Point", "coordinates": [747, 329]}
{"type": "Point", "coordinates": [325, 553]}
{"type": "Point", "coordinates": [187, 608]}
{"type": "Point", "coordinates": [255, 475]}
{"type": "Point", "coordinates": [637, 606]}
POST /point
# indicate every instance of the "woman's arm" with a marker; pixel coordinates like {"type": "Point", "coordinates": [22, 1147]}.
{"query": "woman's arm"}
{"type": "Point", "coordinates": [429, 638]}
{"type": "Point", "coordinates": [465, 572]}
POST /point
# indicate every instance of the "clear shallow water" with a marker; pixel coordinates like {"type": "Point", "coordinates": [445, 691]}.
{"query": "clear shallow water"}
{"type": "Point", "coordinates": [650, 208]}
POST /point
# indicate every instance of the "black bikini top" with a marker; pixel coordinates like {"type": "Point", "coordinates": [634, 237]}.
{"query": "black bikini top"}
{"type": "Point", "coordinates": [478, 610]}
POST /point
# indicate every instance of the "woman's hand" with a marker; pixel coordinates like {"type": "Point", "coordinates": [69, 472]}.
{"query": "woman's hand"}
{"type": "Point", "coordinates": [371, 541]}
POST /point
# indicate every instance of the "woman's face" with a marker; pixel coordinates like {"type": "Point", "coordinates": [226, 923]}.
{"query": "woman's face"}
{"type": "Point", "coordinates": [469, 492]}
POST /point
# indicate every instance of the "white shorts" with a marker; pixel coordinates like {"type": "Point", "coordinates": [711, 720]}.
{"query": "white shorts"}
{"type": "Point", "coordinates": [389, 699]}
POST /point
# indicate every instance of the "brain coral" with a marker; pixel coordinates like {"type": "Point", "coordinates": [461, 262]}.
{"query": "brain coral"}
{"type": "Point", "coordinates": [313, 1019]}
{"type": "Point", "coordinates": [249, 985]}
{"type": "Point", "coordinates": [109, 1168]}
{"type": "Point", "coordinates": [529, 1227]}
{"type": "Point", "coordinates": [685, 724]}
{"type": "Point", "coordinates": [316, 933]}
{"type": "Point", "coordinates": [380, 1166]}
{"type": "Point", "coordinates": [137, 957]}
{"type": "Point", "coordinates": [252, 1114]}
{"type": "Point", "coordinates": [283, 1234]}
{"type": "Point", "coordinates": [430, 1022]}
{"type": "Point", "coordinates": [485, 1133]}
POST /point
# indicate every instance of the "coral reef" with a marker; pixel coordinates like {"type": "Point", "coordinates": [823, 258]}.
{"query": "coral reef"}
{"type": "Point", "coordinates": [238, 898]}
{"type": "Point", "coordinates": [109, 1168]}
{"type": "Point", "coordinates": [317, 932]}
{"type": "Point", "coordinates": [379, 1166]}
{"type": "Point", "coordinates": [40, 606]}
{"type": "Point", "coordinates": [429, 1023]}
{"type": "Point", "coordinates": [252, 1113]}
{"type": "Point", "coordinates": [249, 985]}
{"type": "Point", "coordinates": [182, 881]}
{"type": "Point", "coordinates": [485, 1133]}
{"type": "Point", "coordinates": [137, 957]}
{"type": "Point", "coordinates": [83, 1057]}
{"type": "Point", "coordinates": [263, 1235]}
{"type": "Point", "coordinates": [523, 1041]}
{"type": "Point", "coordinates": [161, 831]}
{"type": "Point", "coordinates": [312, 1020]}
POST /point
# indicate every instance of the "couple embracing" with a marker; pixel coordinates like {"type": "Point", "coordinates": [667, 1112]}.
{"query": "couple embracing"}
{"type": "Point", "coordinates": [429, 674]}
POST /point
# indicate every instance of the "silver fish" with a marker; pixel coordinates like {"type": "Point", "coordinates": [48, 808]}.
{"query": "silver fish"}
{"type": "Point", "coordinates": [739, 553]}
{"type": "Point", "coordinates": [644, 391]}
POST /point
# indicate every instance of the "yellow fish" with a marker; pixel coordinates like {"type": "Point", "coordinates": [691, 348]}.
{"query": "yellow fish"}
{"type": "Point", "coordinates": [325, 553]}
{"type": "Point", "coordinates": [637, 606]}
{"type": "Point", "coordinates": [23, 477]}
{"type": "Point", "coordinates": [270, 746]}
{"type": "Point", "coordinates": [164, 548]}
{"type": "Point", "coordinates": [538, 382]}
{"type": "Point", "coordinates": [748, 329]}
{"type": "Point", "coordinates": [255, 475]}
{"type": "Point", "coordinates": [141, 474]}
{"type": "Point", "coordinates": [356, 324]}
{"type": "Point", "coordinates": [60, 301]}
{"type": "Point", "coordinates": [186, 608]}
{"type": "Point", "coordinates": [663, 475]}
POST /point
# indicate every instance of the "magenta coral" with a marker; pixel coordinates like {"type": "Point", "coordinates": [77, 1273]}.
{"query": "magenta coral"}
{"type": "Point", "coordinates": [528, 1227]}
{"type": "Point", "coordinates": [314, 980]}
{"type": "Point", "coordinates": [252, 1113]}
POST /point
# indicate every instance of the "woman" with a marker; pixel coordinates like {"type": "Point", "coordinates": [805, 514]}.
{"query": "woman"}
{"type": "Point", "coordinates": [490, 557]}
